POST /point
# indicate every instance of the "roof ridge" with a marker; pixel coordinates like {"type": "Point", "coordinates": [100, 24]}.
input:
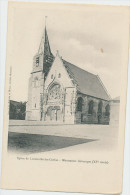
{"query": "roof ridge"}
{"type": "Point", "coordinates": [92, 86]}
{"type": "Point", "coordinates": [78, 67]}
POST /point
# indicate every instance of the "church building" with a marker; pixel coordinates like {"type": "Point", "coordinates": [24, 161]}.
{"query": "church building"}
{"type": "Point", "coordinates": [60, 92]}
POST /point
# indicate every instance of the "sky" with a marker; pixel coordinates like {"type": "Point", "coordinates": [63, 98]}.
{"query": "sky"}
{"type": "Point", "coordinates": [91, 37]}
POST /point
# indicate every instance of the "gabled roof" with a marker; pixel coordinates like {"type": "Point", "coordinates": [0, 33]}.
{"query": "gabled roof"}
{"type": "Point", "coordinates": [86, 82]}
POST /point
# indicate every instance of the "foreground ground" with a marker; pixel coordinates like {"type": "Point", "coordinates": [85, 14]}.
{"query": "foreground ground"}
{"type": "Point", "coordinates": [33, 137]}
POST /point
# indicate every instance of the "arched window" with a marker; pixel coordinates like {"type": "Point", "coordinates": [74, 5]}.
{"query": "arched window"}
{"type": "Point", "coordinates": [59, 75]}
{"type": "Point", "coordinates": [90, 107]}
{"type": "Point", "coordinates": [107, 110]}
{"type": "Point", "coordinates": [100, 107]}
{"type": "Point", "coordinates": [54, 92]}
{"type": "Point", "coordinates": [79, 104]}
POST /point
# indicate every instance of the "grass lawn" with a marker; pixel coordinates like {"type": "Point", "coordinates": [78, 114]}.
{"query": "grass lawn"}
{"type": "Point", "coordinates": [34, 143]}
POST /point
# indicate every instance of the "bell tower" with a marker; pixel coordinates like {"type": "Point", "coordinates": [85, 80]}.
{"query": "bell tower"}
{"type": "Point", "coordinates": [42, 62]}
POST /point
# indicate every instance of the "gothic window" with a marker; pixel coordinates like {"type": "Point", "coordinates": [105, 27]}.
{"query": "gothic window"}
{"type": "Point", "coordinates": [107, 110]}
{"type": "Point", "coordinates": [54, 92]}
{"type": "Point", "coordinates": [90, 107]}
{"type": "Point", "coordinates": [52, 76]}
{"type": "Point", "coordinates": [100, 107]}
{"type": "Point", "coordinates": [79, 104]}
{"type": "Point", "coordinates": [59, 76]}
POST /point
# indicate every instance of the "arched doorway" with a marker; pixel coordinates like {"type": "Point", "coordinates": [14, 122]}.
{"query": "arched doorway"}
{"type": "Point", "coordinates": [54, 113]}
{"type": "Point", "coordinates": [54, 102]}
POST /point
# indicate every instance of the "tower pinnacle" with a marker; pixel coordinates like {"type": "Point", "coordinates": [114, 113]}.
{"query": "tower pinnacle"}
{"type": "Point", "coordinates": [45, 20]}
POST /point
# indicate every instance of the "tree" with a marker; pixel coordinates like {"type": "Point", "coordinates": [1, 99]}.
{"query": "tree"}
{"type": "Point", "coordinates": [17, 110]}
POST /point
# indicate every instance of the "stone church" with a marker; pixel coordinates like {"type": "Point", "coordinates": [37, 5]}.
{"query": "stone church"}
{"type": "Point", "coordinates": [60, 92]}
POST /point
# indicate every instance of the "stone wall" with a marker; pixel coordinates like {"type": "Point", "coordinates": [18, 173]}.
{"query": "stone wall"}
{"type": "Point", "coordinates": [35, 89]}
{"type": "Point", "coordinates": [96, 117]}
{"type": "Point", "coordinates": [115, 109]}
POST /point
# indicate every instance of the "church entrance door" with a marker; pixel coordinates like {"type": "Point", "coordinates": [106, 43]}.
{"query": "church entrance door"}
{"type": "Point", "coordinates": [57, 113]}
{"type": "Point", "coordinates": [54, 113]}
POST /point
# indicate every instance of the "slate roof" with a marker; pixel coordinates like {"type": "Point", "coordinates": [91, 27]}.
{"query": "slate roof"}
{"type": "Point", "coordinates": [86, 82]}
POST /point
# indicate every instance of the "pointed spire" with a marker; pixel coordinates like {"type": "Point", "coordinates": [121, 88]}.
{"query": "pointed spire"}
{"type": "Point", "coordinates": [45, 20]}
{"type": "Point", "coordinates": [44, 44]}
{"type": "Point", "coordinates": [45, 49]}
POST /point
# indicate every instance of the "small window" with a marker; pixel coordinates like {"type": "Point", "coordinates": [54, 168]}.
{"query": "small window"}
{"type": "Point", "coordinates": [35, 105]}
{"type": "Point", "coordinates": [52, 76]}
{"type": "Point", "coordinates": [59, 76]}
{"type": "Point", "coordinates": [37, 61]}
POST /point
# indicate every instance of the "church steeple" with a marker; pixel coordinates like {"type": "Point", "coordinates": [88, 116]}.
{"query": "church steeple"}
{"type": "Point", "coordinates": [48, 56]}
{"type": "Point", "coordinates": [44, 44]}
{"type": "Point", "coordinates": [44, 55]}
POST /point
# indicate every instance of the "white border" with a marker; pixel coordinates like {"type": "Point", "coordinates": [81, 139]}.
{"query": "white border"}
{"type": "Point", "coordinates": [3, 31]}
